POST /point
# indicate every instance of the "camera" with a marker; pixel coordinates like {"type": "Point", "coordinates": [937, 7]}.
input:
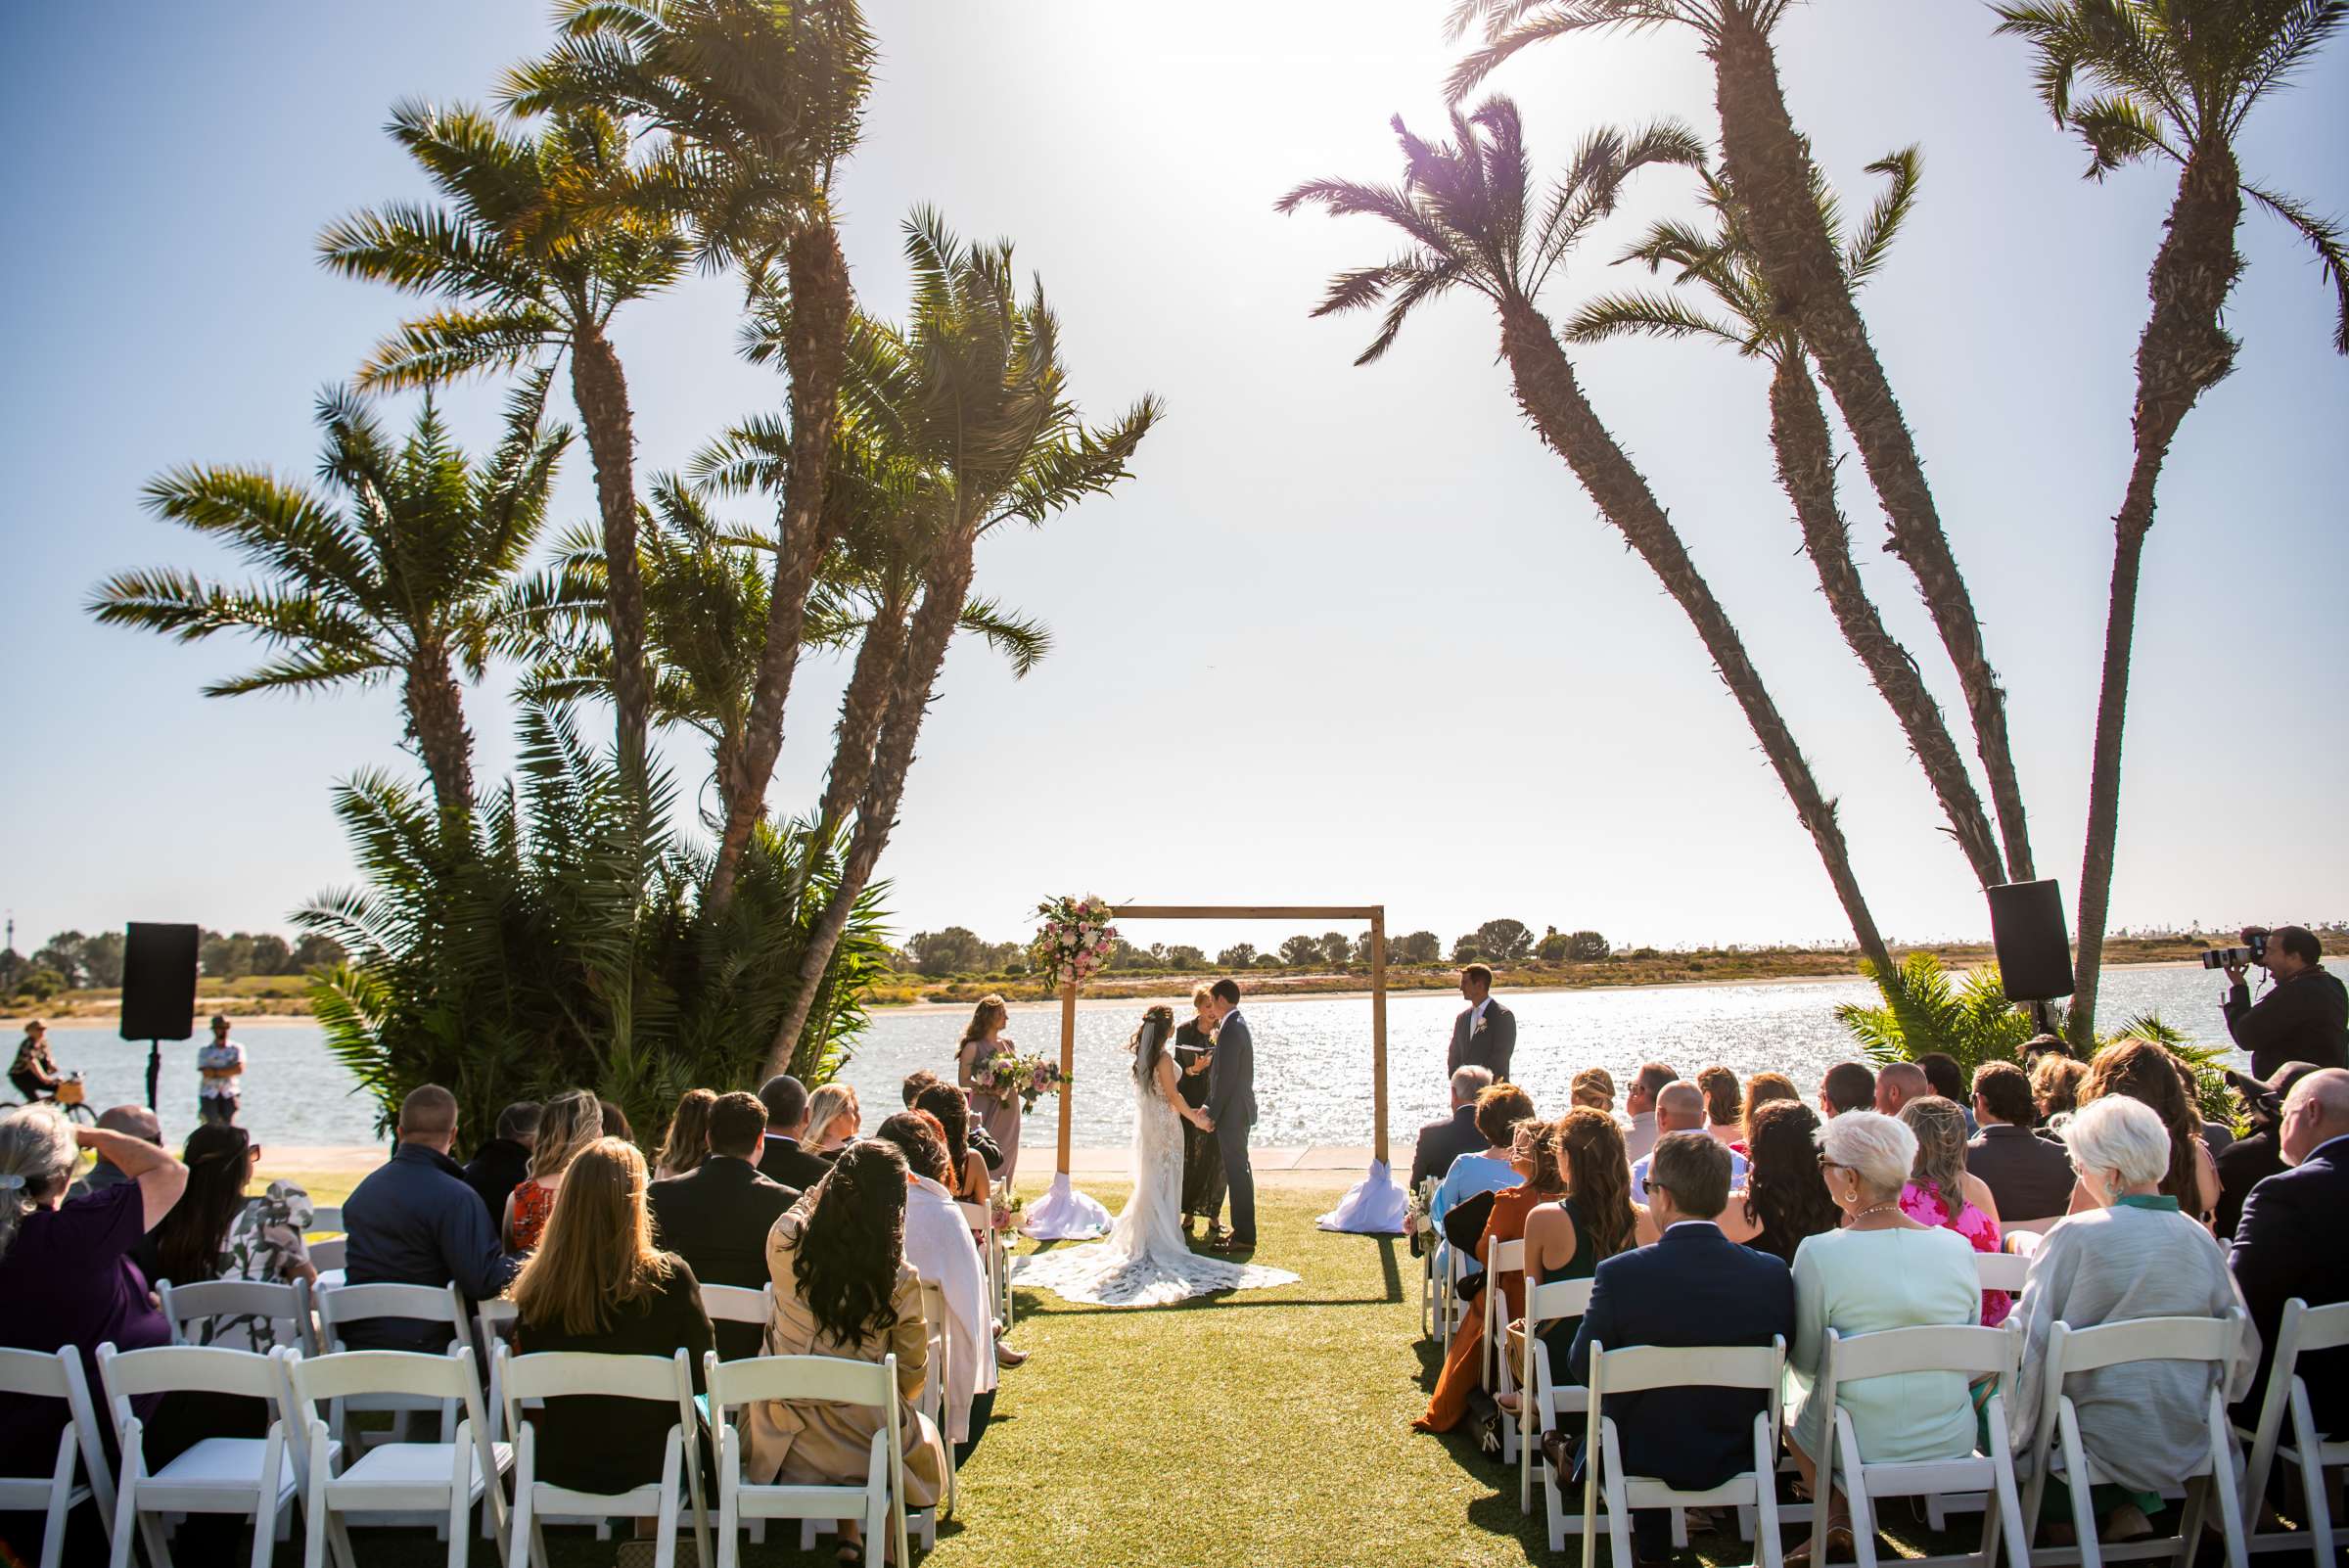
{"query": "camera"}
{"type": "Point", "coordinates": [2256, 949]}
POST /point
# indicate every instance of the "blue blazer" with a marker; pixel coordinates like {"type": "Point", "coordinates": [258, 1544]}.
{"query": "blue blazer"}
{"type": "Point", "coordinates": [1696, 1287]}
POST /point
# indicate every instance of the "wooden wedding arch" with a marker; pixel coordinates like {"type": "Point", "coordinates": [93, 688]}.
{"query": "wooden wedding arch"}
{"type": "Point", "coordinates": [1376, 1205]}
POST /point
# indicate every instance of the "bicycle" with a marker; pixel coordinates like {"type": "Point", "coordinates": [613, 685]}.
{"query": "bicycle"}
{"type": "Point", "coordinates": [72, 1097]}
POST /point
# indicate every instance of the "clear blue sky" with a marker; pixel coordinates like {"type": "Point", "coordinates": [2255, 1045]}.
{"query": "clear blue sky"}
{"type": "Point", "coordinates": [1351, 634]}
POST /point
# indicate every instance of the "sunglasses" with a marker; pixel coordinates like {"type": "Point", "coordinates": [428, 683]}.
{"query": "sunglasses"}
{"type": "Point", "coordinates": [1826, 1163]}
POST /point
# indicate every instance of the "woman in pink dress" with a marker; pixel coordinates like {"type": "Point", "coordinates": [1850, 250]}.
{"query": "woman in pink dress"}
{"type": "Point", "coordinates": [997, 1110]}
{"type": "Point", "coordinates": [1941, 1193]}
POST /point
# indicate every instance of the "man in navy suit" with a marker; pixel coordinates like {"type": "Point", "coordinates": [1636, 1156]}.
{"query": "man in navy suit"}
{"type": "Point", "coordinates": [1231, 1112]}
{"type": "Point", "coordinates": [1693, 1287]}
{"type": "Point", "coordinates": [2288, 1241]}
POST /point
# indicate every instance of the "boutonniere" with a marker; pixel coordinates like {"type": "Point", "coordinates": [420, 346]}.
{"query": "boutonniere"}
{"type": "Point", "coordinates": [1476, 1028]}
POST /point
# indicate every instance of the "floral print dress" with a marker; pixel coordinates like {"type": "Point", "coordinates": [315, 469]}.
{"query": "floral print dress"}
{"type": "Point", "coordinates": [1924, 1206]}
{"type": "Point", "coordinates": [265, 1244]}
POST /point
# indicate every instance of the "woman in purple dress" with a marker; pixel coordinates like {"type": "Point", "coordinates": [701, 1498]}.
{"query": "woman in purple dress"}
{"type": "Point", "coordinates": [997, 1109]}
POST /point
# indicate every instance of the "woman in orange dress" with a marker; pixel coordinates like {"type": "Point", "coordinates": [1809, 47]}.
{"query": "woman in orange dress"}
{"type": "Point", "coordinates": [1536, 1159]}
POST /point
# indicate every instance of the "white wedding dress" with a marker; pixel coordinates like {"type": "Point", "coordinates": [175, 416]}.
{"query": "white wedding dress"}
{"type": "Point", "coordinates": [1145, 1261]}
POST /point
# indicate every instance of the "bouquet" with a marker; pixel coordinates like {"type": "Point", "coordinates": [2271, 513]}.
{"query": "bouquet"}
{"type": "Point", "coordinates": [1008, 1073]}
{"type": "Point", "coordinates": [1075, 940]}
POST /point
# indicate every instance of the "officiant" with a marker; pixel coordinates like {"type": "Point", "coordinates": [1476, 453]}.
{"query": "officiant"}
{"type": "Point", "coordinates": [1202, 1155]}
{"type": "Point", "coordinates": [1485, 1035]}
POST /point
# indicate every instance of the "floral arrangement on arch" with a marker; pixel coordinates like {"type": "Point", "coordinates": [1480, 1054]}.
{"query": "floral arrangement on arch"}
{"type": "Point", "coordinates": [1074, 939]}
{"type": "Point", "coordinates": [1008, 1073]}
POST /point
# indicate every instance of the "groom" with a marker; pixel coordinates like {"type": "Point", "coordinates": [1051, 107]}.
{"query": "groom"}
{"type": "Point", "coordinates": [1231, 1111]}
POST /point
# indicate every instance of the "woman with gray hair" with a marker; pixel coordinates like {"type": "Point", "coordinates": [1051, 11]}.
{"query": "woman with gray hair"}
{"type": "Point", "coordinates": [1881, 1270]}
{"type": "Point", "coordinates": [2133, 1254]}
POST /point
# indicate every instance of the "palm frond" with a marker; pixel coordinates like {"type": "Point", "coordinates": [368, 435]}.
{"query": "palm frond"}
{"type": "Point", "coordinates": [2325, 236]}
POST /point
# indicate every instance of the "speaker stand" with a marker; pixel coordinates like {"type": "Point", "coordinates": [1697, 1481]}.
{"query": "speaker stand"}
{"type": "Point", "coordinates": [154, 1069]}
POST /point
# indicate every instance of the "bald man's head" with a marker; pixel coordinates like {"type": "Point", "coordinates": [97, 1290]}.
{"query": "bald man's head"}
{"type": "Point", "coordinates": [1900, 1083]}
{"type": "Point", "coordinates": [2315, 1113]}
{"type": "Point", "coordinates": [1681, 1108]}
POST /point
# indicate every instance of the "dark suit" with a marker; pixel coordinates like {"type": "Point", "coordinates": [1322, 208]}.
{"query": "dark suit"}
{"type": "Point", "coordinates": [1441, 1142]}
{"type": "Point", "coordinates": [495, 1170]}
{"type": "Point", "coordinates": [2242, 1166]}
{"type": "Point", "coordinates": [716, 1218]}
{"type": "Point", "coordinates": [2289, 1245]}
{"type": "Point", "coordinates": [1231, 1106]}
{"type": "Point", "coordinates": [1696, 1287]}
{"type": "Point", "coordinates": [781, 1159]}
{"type": "Point", "coordinates": [1489, 1047]}
{"type": "Point", "coordinates": [2030, 1178]}
{"type": "Point", "coordinates": [2303, 1019]}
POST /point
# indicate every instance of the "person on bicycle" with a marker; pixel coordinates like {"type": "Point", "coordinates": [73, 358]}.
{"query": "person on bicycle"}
{"type": "Point", "coordinates": [35, 1072]}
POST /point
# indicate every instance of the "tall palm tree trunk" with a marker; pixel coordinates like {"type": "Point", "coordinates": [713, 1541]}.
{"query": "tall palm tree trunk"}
{"type": "Point", "coordinates": [2183, 353]}
{"type": "Point", "coordinates": [1552, 398]}
{"type": "Point", "coordinates": [923, 656]}
{"type": "Point", "coordinates": [814, 352]}
{"type": "Point", "coordinates": [601, 389]}
{"type": "Point", "coordinates": [1806, 454]}
{"type": "Point", "coordinates": [861, 708]}
{"type": "Point", "coordinates": [436, 706]}
{"type": "Point", "coordinates": [1768, 164]}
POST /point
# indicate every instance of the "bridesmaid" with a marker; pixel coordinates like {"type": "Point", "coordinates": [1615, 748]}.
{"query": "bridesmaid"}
{"type": "Point", "coordinates": [999, 1114]}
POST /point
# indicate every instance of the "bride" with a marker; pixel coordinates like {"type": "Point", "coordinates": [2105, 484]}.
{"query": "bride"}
{"type": "Point", "coordinates": [1145, 1261]}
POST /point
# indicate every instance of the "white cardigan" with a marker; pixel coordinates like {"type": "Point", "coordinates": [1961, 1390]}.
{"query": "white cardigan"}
{"type": "Point", "coordinates": [939, 1246]}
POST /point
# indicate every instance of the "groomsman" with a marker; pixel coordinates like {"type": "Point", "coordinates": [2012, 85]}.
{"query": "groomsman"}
{"type": "Point", "coordinates": [1485, 1035]}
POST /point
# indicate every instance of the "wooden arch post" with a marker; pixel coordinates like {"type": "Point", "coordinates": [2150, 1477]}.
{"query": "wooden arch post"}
{"type": "Point", "coordinates": [1376, 1205]}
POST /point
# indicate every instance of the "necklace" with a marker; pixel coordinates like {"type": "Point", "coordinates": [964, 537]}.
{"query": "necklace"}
{"type": "Point", "coordinates": [1875, 1209]}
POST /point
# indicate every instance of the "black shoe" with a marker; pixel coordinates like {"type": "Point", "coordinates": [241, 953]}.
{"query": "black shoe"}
{"type": "Point", "coordinates": [1235, 1242]}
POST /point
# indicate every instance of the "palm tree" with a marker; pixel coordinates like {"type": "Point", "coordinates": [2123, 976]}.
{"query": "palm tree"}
{"type": "Point", "coordinates": [974, 392]}
{"type": "Point", "coordinates": [760, 101]}
{"type": "Point", "coordinates": [1768, 163]}
{"type": "Point", "coordinates": [1723, 262]}
{"type": "Point", "coordinates": [1467, 212]}
{"type": "Point", "coordinates": [2174, 79]}
{"type": "Point", "coordinates": [535, 272]}
{"type": "Point", "coordinates": [403, 584]}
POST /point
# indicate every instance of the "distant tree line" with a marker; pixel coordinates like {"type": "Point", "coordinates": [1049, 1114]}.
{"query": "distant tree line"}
{"type": "Point", "coordinates": [71, 961]}
{"type": "Point", "coordinates": [959, 951]}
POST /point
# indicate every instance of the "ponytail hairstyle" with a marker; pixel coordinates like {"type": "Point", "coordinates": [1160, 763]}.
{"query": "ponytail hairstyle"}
{"type": "Point", "coordinates": [38, 1156]}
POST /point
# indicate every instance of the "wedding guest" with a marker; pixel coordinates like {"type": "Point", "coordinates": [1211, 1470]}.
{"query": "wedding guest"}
{"type": "Point", "coordinates": [1898, 1085]}
{"type": "Point", "coordinates": [2247, 1162]}
{"type": "Point", "coordinates": [35, 1072]}
{"type": "Point", "coordinates": [1940, 1192]}
{"type": "Point", "coordinates": [412, 1221]}
{"type": "Point", "coordinates": [1763, 1089]}
{"type": "Point", "coordinates": [1593, 1086]}
{"type": "Point", "coordinates": [1785, 1198]}
{"type": "Point", "coordinates": [969, 1183]}
{"type": "Point", "coordinates": [2056, 1089]}
{"type": "Point", "coordinates": [597, 1285]}
{"type": "Point", "coordinates": [921, 1079]}
{"type": "Point", "coordinates": [716, 1215]}
{"type": "Point", "coordinates": [939, 1246]}
{"type": "Point", "coordinates": [2289, 1243]}
{"type": "Point", "coordinates": [1944, 1077]}
{"type": "Point", "coordinates": [2144, 1071]}
{"type": "Point", "coordinates": [1485, 1035]}
{"type": "Point", "coordinates": [217, 1232]}
{"type": "Point", "coordinates": [504, 1163]}
{"type": "Point", "coordinates": [219, 1074]}
{"type": "Point", "coordinates": [781, 1157]}
{"type": "Point", "coordinates": [1534, 1158]}
{"type": "Point", "coordinates": [131, 1120]}
{"type": "Point", "coordinates": [1847, 1086]}
{"type": "Point", "coordinates": [1639, 1103]}
{"type": "Point", "coordinates": [1692, 1286]}
{"type": "Point", "coordinates": [2130, 1255]}
{"type": "Point", "coordinates": [2305, 1018]}
{"type": "Point", "coordinates": [1499, 1111]}
{"type": "Point", "coordinates": [834, 1120]}
{"type": "Point", "coordinates": [66, 1272]}
{"type": "Point", "coordinates": [998, 1108]}
{"type": "Point", "coordinates": [1592, 1220]}
{"type": "Point", "coordinates": [687, 1142]}
{"type": "Point", "coordinates": [1441, 1142]}
{"type": "Point", "coordinates": [1679, 1108]}
{"type": "Point", "coordinates": [1722, 1091]}
{"type": "Point", "coordinates": [1881, 1271]}
{"type": "Point", "coordinates": [843, 1287]}
{"type": "Point", "coordinates": [567, 1124]}
{"type": "Point", "coordinates": [613, 1121]}
{"type": "Point", "coordinates": [2029, 1178]}
{"type": "Point", "coordinates": [1203, 1156]}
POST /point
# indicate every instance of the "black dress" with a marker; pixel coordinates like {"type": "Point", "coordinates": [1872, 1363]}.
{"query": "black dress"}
{"type": "Point", "coordinates": [1202, 1155]}
{"type": "Point", "coordinates": [593, 1443]}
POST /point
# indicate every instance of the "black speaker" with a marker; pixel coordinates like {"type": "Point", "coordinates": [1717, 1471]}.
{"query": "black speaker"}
{"type": "Point", "coordinates": [2035, 951]}
{"type": "Point", "coordinates": [158, 982]}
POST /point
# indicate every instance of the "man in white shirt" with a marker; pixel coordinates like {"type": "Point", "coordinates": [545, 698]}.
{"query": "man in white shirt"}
{"type": "Point", "coordinates": [220, 1070]}
{"type": "Point", "coordinates": [1681, 1108]}
{"type": "Point", "coordinates": [1639, 1101]}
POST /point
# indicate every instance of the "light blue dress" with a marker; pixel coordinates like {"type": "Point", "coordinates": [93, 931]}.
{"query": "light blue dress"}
{"type": "Point", "coordinates": [1470, 1174]}
{"type": "Point", "coordinates": [1865, 1281]}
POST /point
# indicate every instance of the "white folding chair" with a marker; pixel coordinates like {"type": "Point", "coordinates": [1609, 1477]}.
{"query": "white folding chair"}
{"type": "Point", "coordinates": [253, 1476]}
{"type": "Point", "coordinates": [30, 1374]}
{"type": "Point", "coordinates": [1429, 1285]}
{"type": "Point", "coordinates": [2303, 1330]}
{"type": "Point", "coordinates": [1973, 1351]}
{"type": "Point", "coordinates": [395, 1478]}
{"type": "Point", "coordinates": [1548, 1400]}
{"type": "Point", "coordinates": [1650, 1366]}
{"type": "Point", "coordinates": [187, 1305]}
{"type": "Point", "coordinates": [879, 1503]}
{"type": "Point", "coordinates": [2140, 1339]}
{"type": "Point", "coordinates": [559, 1374]}
{"type": "Point", "coordinates": [739, 1304]}
{"type": "Point", "coordinates": [438, 1305]}
{"type": "Point", "coordinates": [933, 1400]}
{"type": "Point", "coordinates": [1492, 1366]}
{"type": "Point", "coordinates": [1453, 1311]}
{"type": "Point", "coordinates": [325, 1240]}
{"type": "Point", "coordinates": [2003, 1271]}
{"type": "Point", "coordinates": [991, 1257]}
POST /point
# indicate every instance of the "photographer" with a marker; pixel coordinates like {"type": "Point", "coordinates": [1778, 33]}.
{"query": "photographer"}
{"type": "Point", "coordinates": [2305, 1018]}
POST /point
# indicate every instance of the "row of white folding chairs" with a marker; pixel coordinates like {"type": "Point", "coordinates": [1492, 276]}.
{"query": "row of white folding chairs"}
{"type": "Point", "coordinates": [994, 1257]}
{"type": "Point", "coordinates": [2303, 1330]}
